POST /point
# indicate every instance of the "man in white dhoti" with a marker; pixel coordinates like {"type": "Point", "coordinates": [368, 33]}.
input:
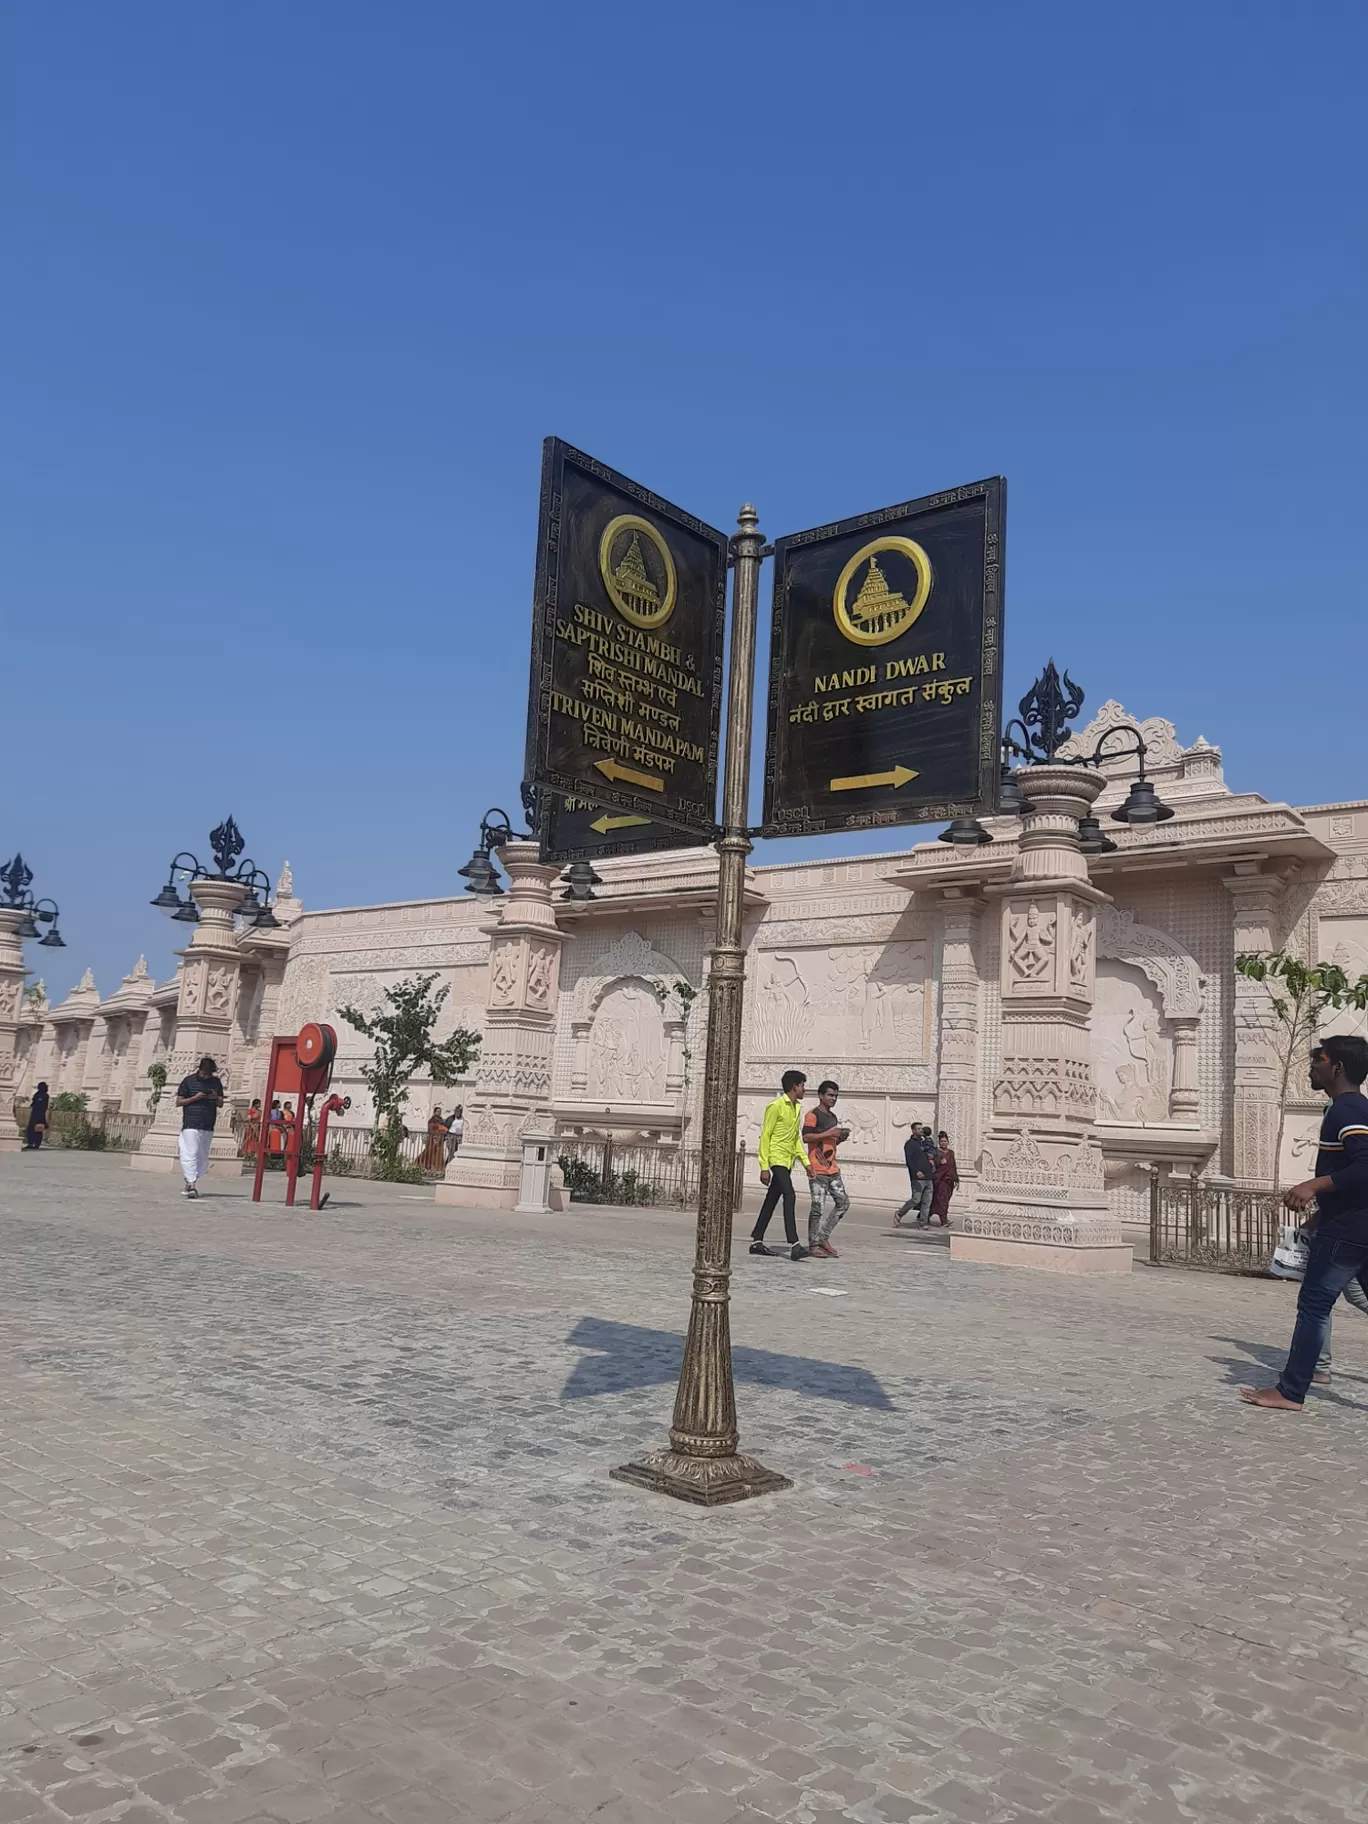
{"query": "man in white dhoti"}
{"type": "Point", "coordinates": [199, 1099]}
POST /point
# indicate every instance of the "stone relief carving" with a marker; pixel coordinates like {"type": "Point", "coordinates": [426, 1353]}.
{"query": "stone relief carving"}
{"type": "Point", "coordinates": [1132, 1055]}
{"type": "Point", "coordinates": [838, 927]}
{"type": "Point", "coordinates": [1030, 946]}
{"type": "Point", "coordinates": [1344, 940]}
{"type": "Point", "coordinates": [192, 989]}
{"type": "Point", "coordinates": [1023, 1163]}
{"type": "Point", "coordinates": [219, 994]}
{"type": "Point", "coordinates": [1080, 951]}
{"type": "Point", "coordinates": [1161, 739]}
{"type": "Point", "coordinates": [9, 999]}
{"type": "Point", "coordinates": [627, 1046]}
{"type": "Point", "coordinates": [630, 958]}
{"type": "Point", "coordinates": [840, 1000]}
{"type": "Point", "coordinates": [1044, 1086]}
{"type": "Point", "coordinates": [503, 975]}
{"type": "Point", "coordinates": [1171, 968]}
{"type": "Point", "coordinates": [541, 966]}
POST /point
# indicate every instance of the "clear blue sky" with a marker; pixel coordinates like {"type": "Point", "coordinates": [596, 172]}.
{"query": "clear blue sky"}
{"type": "Point", "coordinates": [294, 291]}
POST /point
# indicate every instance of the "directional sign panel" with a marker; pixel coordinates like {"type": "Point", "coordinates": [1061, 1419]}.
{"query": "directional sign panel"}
{"type": "Point", "coordinates": [885, 699]}
{"type": "Point", "coordinates": [626, 695]}
{"type": "Point", "coordinates": [575, 829]}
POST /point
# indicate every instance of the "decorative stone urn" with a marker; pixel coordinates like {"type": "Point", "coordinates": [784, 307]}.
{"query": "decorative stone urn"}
{"type": "Point", "coordinates": [1041, 1201]}
{"type": "Point", "coordinates": [210, 973]}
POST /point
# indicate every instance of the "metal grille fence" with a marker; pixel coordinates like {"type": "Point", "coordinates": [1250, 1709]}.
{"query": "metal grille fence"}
{"type": "Point", "coordinates": [351, 1152]}
{"type": "Point", "coordinates": [94, 1130]}
{"type": "Point", "coordinates": [605, 1169]}
{"type": "Point", "coordinates": [1220, 1227]}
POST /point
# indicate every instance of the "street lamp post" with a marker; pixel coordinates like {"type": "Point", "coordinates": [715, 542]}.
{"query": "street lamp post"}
{"type": "Point", "coordinates": [233, 889]}
{"type": "Point", "coordinates": [703, 1464]}
{"type": "Point", "coordinates": [20, 917]}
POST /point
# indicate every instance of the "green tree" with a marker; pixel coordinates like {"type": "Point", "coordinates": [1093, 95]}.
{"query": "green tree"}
{"type": "Point", "coordinates": [404, 1045]}
{"type": "Point", "coordinates": [1299, 993]}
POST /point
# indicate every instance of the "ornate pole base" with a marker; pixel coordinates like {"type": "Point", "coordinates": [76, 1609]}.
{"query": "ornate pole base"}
{"type": "Point", "coordinates": [705, 1481]}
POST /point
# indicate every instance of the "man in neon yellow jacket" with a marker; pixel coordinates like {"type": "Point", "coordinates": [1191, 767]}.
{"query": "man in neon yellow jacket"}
{"type": "Point", "coordinates": [781, 1146]}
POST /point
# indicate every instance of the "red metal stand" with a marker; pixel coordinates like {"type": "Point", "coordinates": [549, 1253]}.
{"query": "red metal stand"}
{"type": "Point", "coordinates": [301, 1065]}
{"type": "Point", "coordinates": [335, 1105]}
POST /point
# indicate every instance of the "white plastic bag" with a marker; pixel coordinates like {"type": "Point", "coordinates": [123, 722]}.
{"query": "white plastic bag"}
{"type": "Point", "coordinates": [1291, 1254]}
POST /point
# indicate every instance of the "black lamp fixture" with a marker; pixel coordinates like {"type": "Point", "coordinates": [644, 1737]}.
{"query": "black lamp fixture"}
{"type": "Point", "coordinates": [226, 846]}
{"type": "Point", "coordinates": [580, 881]}
{"type": "Point", "coordinates": [965, 833]}
{"type": "Point", "coordinates": [1037, 737]}
{"type": "Point", "coordinates": [479, 872]}
{"type": "Point", "coordinates": [16, 877]}
{"type": "Point", "coordinates": [1090, 838]}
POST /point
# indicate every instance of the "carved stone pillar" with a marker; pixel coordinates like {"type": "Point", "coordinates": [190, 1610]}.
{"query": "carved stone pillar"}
{"type": "Point", "coordinates": [957, 1095]}
{"type": "Point", "coordinates": [1183, 1095]}
{"type": "Point", "coordinates": [95, 1064]}
{"type": "Point", "coordinates": [11, 993]}
{"type": "Point", "coordinates": [1041, 1201]}
{"type": "Point", "coordinates": [204, 1025]}
{"type": "Point", "coordinates": [513, 1072]}
{"type": "Point", "coordinates": [1254, 1112]}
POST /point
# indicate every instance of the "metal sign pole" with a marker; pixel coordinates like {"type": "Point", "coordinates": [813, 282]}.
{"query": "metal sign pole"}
{"type": "Point", "coordinates": [702, 1464]}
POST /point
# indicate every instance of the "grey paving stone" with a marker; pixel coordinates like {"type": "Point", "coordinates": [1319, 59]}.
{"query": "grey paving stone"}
{"type": "Point", "coordinates": [309, 1518]}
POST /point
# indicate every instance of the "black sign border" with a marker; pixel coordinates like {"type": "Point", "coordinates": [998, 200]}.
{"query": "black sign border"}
{"type": "Point", "coordinates": [993, 491]}
{"type": "Point", "coordinates": [545, 605]}
{"type": "Point", "coordinates": [543, 828]}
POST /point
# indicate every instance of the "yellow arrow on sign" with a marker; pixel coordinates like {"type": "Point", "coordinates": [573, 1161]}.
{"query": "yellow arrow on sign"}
{"type": "Point", "coordinates": [856, 782]}
{"type": "Point", "coordinates": [612, 769]}
{"type": "Point", "coordinates": [604, 824]}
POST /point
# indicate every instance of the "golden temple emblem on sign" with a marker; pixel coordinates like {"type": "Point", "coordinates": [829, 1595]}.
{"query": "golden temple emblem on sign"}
{"type": "Point", "coordinates": [878, 613]}
{"type": "Point", "coordinates": [642, 584]}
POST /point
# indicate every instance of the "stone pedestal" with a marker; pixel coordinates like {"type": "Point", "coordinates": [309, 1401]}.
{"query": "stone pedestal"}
{"type": "Point", "coordinates": [513, 1075]}
{"type": "Point", "coordinates": [11, 994]}
{"type": "Point", "coordinates": [210, 970]}
{"type": "Point", "coordinates": [1040, 1200]}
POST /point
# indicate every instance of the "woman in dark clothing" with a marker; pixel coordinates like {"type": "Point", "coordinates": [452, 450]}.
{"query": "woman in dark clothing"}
{"type": "Point", "coordinates": [38, 1119]}
{"type": "Point", "coordinates": [946, 1181]}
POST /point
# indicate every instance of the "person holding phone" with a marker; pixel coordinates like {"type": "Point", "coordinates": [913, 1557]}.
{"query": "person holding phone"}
{"type": "Point", "coordinates": [199, 1098]}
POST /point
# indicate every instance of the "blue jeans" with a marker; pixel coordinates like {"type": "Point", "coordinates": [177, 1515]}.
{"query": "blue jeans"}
{"type": "Point", "coordinates": [920, 1201]}
{"type": "Point", "coordinates": [1354, 1294]}
{"type": "Point", "coordinates": [1332, 1263]}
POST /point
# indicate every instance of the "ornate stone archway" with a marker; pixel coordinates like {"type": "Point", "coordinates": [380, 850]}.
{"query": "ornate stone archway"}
{"type": "Point", "coordinates": [1178, 981]}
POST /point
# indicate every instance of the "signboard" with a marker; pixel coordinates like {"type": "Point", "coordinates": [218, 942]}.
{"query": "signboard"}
{"type": "Point", "coordinates": [885, 698]}
{"type": "Point", "coordinates": [574, 829]}
{"type": "Point", "coordinates": [626, 692]}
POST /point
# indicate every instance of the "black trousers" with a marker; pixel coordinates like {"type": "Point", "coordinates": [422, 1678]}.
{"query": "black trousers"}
{"type": "Point", "coordinates": [780, 1185]}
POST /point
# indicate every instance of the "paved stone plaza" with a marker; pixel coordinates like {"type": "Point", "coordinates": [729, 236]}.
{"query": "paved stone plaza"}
{"type": "Point", "coordinates": [308, 1517]}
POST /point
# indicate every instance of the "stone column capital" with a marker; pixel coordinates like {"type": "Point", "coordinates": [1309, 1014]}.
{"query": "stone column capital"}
{"type": "Point", "coordinates": [218, 900]}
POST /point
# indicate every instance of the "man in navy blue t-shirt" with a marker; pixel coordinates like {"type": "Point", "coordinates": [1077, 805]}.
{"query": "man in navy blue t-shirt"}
{"type": "Point", "coordinates": [1337, 1234]}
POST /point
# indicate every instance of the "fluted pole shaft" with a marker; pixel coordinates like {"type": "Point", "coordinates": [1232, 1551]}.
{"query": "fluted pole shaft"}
{"type": "Point", "coordinates": [702, 1463]}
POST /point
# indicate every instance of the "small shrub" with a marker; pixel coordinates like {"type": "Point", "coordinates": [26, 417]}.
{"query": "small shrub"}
{"type": "Point", "coordinates": [584, 1184]}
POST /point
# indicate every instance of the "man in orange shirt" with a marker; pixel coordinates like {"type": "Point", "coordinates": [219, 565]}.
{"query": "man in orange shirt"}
{"type": "Point", "coordinates": [822, 1134]}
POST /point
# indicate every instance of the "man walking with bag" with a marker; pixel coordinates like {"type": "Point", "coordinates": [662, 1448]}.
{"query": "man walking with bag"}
{"type": "Point", "coordinates": [823, 1134]}
{"type": "Point", "coordinates": [199, 1099]}
{"type": "Point", "coordinates": [1337, 1244]}
{"type": "Point", "coordinates": [921, 1169]}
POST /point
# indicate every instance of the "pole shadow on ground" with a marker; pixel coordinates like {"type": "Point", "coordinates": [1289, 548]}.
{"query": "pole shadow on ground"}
{"type": "Point", "coordinates": [623, 1357]}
